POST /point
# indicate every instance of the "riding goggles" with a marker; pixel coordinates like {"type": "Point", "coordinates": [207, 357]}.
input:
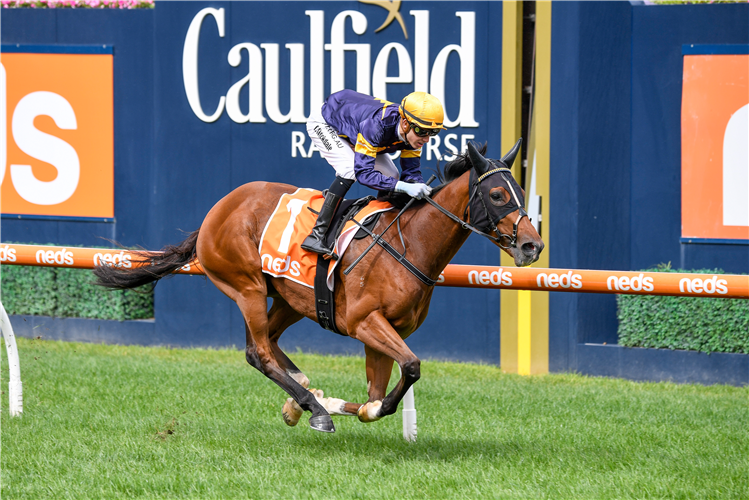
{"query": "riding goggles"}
{"type": "Point", "coordinates": [423, 132]}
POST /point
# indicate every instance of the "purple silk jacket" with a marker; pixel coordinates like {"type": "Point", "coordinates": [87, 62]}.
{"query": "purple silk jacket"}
{"type": "Point", "coordinates": [371, 124]}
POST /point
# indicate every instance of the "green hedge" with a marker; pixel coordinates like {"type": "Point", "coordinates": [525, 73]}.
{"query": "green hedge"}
{"type": "Point", "coordinates": [691, 323]}
{"type": "Point", "coordinates": [69, 293]}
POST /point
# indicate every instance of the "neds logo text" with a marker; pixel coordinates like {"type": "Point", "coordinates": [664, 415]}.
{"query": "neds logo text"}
{"type": "Point", "coordinates": [61, 257]}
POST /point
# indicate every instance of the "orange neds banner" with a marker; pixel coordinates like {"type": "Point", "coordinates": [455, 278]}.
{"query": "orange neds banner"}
{"type": "Point", "coordinates": [60, 135]}
{"type": "Point", "coordinates": [728, 286]}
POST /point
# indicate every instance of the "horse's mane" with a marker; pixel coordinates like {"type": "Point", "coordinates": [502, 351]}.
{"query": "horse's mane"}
{"type": "Point", "coordinates": [454, 169]}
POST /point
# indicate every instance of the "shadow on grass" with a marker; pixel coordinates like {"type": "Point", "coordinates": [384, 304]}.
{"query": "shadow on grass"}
{"type": "Point", "coordinates": [394, 449]}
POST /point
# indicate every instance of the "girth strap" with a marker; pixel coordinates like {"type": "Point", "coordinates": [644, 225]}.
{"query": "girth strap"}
{"type": "Point", "coordinates": [324, 297]}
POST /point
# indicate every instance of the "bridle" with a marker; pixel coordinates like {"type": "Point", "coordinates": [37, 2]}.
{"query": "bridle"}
{"type": "Point", "coordinates": [513, 238]}
{"type": "Point", "coordinates": [500, 237]}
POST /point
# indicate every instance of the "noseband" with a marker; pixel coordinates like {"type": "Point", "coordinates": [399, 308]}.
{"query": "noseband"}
{"type": "Point", "coordinates": [511, 239]}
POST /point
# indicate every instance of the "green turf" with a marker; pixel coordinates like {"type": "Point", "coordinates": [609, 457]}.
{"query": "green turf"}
{"type": "Point", "coordinates": [131, 422]}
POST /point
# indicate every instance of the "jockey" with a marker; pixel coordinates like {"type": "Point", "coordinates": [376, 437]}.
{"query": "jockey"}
{"type": "Point", "coordinates": [354, 132]}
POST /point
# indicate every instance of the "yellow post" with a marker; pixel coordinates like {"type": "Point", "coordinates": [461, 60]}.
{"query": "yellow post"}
{"type": "Point", "coordinates": [539, 330]}
{"type": "Point", "coordinates": [524, 320]}
{"type": "Point", "coordinates": [525, 344]}
{"type": "Point", "coordinates": [512, 80]}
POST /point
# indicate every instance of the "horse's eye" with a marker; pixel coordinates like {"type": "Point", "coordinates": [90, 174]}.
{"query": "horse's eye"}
{"type": "Point", "coordinates": [498, 198]}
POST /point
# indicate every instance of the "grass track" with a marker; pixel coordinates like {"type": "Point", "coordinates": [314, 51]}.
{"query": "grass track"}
{"type": "Point", "coordinates": [133, 422]}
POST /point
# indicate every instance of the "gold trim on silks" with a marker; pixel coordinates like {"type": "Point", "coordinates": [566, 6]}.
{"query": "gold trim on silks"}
{"type": "Point", "coordinates": [411, 153]}
{"type": "Point", "coordinates": [364, 147]}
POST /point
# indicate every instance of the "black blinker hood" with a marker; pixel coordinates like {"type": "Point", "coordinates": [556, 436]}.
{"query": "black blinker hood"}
{"type": "Point", "coordinates": [483, 212]}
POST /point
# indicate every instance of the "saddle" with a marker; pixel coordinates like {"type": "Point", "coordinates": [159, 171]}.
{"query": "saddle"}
{"type": "Point", "coordinates": [324, 297]}
{"type": "Point", "coordinates": [346, 211]}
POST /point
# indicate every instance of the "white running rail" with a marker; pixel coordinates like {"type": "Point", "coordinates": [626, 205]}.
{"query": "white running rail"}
{"type": "Point", "coordinates": [15, 389]}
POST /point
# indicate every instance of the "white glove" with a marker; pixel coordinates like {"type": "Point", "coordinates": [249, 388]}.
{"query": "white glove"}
{"type": "Point", "coordinates": [416, 190]}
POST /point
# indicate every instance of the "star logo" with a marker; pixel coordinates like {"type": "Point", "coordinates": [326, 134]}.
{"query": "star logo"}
{"type": "Point", "coordinates": [393, 8]}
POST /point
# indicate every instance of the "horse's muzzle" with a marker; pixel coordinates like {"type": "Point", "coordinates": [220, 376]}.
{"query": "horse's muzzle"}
{"type": "Point", "coordinates": [527, 253]}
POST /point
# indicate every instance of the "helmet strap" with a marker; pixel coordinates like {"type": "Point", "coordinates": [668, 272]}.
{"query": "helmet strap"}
{"type": "Point", "coordinates": [405, 129]}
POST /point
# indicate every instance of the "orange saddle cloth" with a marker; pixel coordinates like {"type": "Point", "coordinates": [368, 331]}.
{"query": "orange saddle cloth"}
{"type": "Point", "coordinates": [280, 246]}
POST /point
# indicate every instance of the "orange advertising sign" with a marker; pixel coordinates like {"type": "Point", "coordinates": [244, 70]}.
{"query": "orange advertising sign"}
{"type": "Point", "coordinates": [714, 150]}
{"type": "Point", "coordinates": [60, 135]}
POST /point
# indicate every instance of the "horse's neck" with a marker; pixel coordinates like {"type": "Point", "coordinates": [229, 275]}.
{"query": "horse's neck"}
{"type": "Point", "coordinates": [441, 236]}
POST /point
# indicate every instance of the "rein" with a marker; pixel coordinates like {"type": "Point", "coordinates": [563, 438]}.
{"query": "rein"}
{"type": "Point", "coordinates": [401, 258]}
{"type": "Point", "coordinates": [513, 239]}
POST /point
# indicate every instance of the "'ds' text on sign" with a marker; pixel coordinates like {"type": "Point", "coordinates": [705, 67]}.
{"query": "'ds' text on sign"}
{"type": "Point", "coordinates": [60, 135]}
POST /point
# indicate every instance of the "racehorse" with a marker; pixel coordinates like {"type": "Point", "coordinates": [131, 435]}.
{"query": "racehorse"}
{"type": "Point", "coordinates": [379, 302]}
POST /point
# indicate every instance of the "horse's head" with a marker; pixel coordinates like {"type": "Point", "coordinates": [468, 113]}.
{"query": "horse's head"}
{"type": "Point", "coordinates": [497, 206]}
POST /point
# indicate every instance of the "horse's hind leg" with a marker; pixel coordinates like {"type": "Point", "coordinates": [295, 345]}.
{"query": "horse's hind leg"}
{"type": "Point", "coordinates": [230, 258]}
{"type": "Point", "coordinates": [261, 355]}
{"type": "Point", "coordinates": [280, 317]}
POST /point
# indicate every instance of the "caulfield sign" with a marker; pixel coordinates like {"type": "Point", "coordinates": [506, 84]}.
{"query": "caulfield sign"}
{"type": "Point", "coordinates": [59, 134]}
{"type": "Point", "coordinates": [258, 91]}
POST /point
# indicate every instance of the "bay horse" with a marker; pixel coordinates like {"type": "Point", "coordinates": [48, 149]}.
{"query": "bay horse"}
{"type": "Point", "coordinates": [379, 303]}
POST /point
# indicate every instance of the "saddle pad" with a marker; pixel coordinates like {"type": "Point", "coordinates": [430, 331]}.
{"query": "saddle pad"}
{"type": "Point", "coordinates": [291, 222]}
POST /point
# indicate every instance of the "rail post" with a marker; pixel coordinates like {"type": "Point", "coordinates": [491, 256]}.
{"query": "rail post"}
{"type": "Point", "coordinates": [15, 388]}
{"type": "Point", "coordinates": [409, 413]}
{"type": "Point", "coordinates": [409, 416]}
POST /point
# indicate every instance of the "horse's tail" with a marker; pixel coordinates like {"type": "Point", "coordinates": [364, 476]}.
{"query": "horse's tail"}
{"type": "Point", "coordinates": [147, 267]}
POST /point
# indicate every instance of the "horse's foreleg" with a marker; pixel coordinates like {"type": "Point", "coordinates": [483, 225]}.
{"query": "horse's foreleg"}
{"type": "Point", "coordinates": [377, 334]}
{"type": "Point", "coordinates": [260, 354]}
{"type": "Point", "coordinates": [379, 368]}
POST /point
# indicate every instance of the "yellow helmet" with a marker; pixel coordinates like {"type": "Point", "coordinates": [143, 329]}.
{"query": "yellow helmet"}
{"type": "Point", "coordinates": [422, 109]}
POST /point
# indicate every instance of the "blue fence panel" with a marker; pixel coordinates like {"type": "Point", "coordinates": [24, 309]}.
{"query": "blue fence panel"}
{"type": "Point", "coordinates": [616, 153]}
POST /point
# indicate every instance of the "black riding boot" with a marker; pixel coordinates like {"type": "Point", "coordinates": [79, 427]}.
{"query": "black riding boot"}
{"type": "Point", "coordinates": [315, 242]}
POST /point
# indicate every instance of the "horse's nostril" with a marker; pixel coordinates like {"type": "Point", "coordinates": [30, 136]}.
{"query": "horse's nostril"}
{"type": "Point", "coordinates": [528, 248]}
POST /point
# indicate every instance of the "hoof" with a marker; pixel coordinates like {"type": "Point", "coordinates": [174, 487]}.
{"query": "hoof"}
{"type": "Point", "coordinates": [370, 412]}
{"type": "Point", "coordinates": [322, 423]}
{"type": "Point", "coordinates": [291, 412]}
